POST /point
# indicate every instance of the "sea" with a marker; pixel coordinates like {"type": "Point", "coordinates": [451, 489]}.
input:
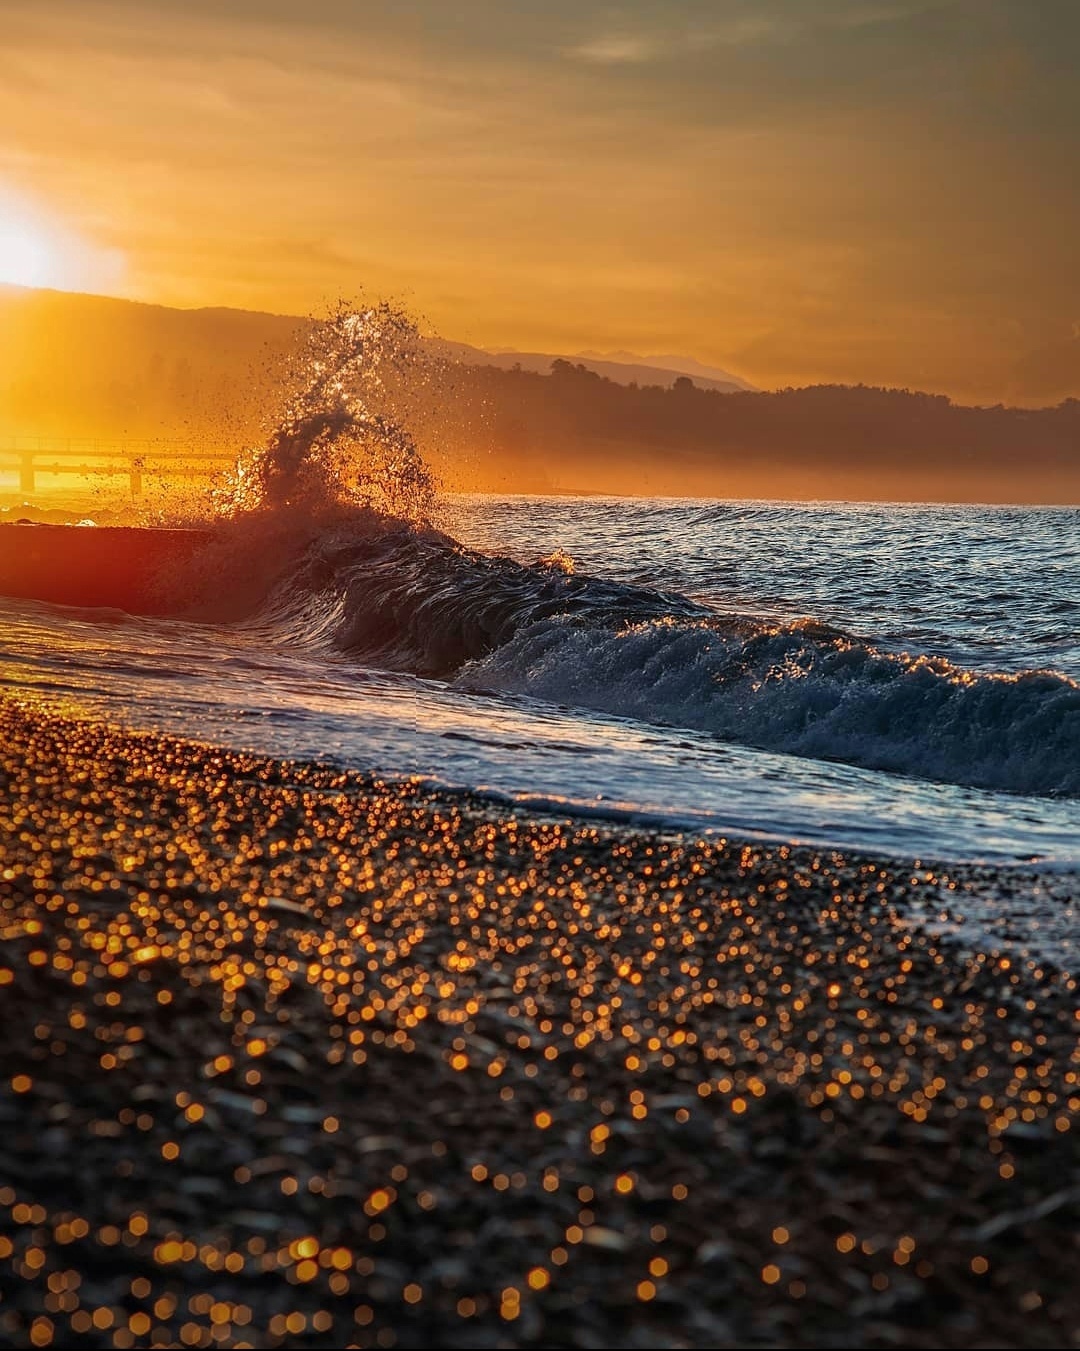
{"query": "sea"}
{"type": "Point", "coordinates": [900, 681]}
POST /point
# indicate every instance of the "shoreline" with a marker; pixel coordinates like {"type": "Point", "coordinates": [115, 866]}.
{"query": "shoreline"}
{"type": "Point", "coordinates": [299, 1057]}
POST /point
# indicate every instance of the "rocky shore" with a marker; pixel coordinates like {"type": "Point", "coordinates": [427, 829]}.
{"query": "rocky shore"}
{"type": "Point", "coordinates": [293, 1057]}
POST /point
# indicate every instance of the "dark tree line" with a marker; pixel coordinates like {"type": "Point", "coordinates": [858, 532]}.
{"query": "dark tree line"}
{"type": "Point", "coordinates": [577, 430]}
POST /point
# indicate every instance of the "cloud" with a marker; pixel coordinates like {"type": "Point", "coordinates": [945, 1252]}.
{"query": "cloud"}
{"type": "Point", "coordinates": [680, 29]}
{"type": "Point", "coordinates": [616, 50]}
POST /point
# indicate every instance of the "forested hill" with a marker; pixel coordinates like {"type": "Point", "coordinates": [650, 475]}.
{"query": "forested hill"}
{"type": "Point", "coordinates": [575, 431]}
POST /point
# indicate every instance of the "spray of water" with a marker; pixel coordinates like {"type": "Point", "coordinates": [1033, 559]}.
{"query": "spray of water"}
{"type": "Point", "coordinates": [339, 444]}
{"type": "Point", "coordinates": [338, 463]}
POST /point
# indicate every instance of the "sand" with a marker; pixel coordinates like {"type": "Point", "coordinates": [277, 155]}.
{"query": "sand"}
{"type": "Point", "coordinates": [296, 1057]}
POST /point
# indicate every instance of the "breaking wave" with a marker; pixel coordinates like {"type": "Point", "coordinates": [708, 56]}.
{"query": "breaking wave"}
{"type": "Point", "coordinates": [333, 516]}
{"type": "Point", "coordinates": [417, 601]}
{"type": "Point", "coordinates": [339, 443]}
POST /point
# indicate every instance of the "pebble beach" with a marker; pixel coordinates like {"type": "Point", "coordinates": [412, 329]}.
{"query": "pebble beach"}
{"type": "Point", "coordinates": [296, 1056]}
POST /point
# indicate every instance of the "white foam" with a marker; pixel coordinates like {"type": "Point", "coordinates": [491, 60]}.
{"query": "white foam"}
{"type": "Point", "coordinates": [806, 691]}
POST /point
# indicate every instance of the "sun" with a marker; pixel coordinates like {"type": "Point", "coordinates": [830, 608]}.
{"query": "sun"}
{"type": "Point", "coordinates": [25, 256]}
{"type": "Point", "coordinates": [38, 249]}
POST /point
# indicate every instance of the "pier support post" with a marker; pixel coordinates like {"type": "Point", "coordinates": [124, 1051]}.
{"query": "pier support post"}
{"type": "Point", "coordinates": [26, 471]}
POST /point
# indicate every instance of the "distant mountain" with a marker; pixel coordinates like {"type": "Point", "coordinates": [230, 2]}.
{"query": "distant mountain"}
{"type": "Point", "coordinates": [85, 365]}
{"type": "Point", "coordinates": [708, 376]}
{"type": "Point", "coordinates": [100, 366]}
{"type": "Point", "coordinates": [636, 372]}
{"type": "Point", "coordinates": [575, 431]}
{"type": "Point", "coordinates": [89, 366]}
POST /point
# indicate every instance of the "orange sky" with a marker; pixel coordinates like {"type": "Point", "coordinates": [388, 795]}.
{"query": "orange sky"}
{"type": "Point", "coordinates": [879, 190]}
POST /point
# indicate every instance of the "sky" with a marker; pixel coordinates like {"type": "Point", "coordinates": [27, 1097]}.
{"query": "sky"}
{"type": "Point", "coordinates": [796, 190]}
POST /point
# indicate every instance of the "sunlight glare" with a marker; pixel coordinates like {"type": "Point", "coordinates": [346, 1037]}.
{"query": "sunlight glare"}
{"type": "Point", "coordinates": [38, 250]}
{"type": "Point", "coordinates": [25, 258]}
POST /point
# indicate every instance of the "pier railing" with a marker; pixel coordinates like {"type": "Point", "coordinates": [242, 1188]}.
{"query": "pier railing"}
{"type": "Point", "coordinates": [33, 456]}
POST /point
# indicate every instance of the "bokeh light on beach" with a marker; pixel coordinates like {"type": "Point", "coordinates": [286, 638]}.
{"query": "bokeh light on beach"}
{"type": "Point", "coordinates": [382, 1068]}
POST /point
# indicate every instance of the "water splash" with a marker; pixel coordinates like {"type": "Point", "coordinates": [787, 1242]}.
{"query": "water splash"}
{"type": "Point", "coordinates": [339, 443]}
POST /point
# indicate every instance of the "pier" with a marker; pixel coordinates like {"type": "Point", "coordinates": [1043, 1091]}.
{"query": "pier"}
{"type": "Point", "coordinates": [35, 457]}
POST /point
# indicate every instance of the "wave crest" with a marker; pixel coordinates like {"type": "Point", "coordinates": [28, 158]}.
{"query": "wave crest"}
{"type": "Point", "coordinates": [339, 441]}
{"type": "Point", "coordinates": [808, 691]}
{"type": "Point", "coordinates": [415, 600]}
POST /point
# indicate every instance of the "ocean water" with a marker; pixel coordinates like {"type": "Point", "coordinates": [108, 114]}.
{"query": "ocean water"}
{"type": "Point", "coordinates": [896, 680]}
{"type": "Point", "coordinates": [892, 678]}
